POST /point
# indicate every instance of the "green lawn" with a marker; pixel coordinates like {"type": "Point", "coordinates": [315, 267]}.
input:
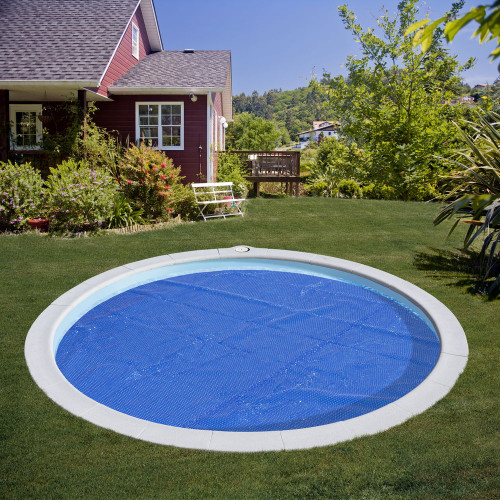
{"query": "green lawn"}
{"type": "Point", "coordinates": [450, 451]}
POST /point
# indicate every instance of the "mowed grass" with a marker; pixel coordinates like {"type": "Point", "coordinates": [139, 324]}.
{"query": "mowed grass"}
{"type": "Point", "coordinates": [450, 451]}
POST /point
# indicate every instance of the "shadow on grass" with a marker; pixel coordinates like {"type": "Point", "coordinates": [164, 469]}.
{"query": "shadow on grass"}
{"type": "Point", "coordinates": [460, 268]}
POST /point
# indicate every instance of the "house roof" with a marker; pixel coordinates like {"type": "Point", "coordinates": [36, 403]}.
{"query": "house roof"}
{"type": "Point", "coordinates": [178, 71]}
{"type": "Point", "coordinates": [65, 40]}
{"type": "Point", "coordinates": [333, 126]}
{"type": "Point", "coordinates": [317, 123]}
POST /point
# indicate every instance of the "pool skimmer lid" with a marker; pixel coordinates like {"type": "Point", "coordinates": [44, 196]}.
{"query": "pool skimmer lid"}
{"type": "Point", "coordinates": [246, 349]}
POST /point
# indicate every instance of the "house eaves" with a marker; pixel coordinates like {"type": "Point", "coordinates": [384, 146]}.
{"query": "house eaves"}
{"type": "Point", "coordinates": [163, 90]}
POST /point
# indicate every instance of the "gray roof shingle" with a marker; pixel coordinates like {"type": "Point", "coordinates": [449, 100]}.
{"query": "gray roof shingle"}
{"type": "Point", "coordinates": [60, 39]}
{"type": "Point", "coordinates": [177, 69]}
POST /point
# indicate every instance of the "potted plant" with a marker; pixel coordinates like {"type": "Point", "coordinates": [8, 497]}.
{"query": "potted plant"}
{"type": "Point", "coordinates": [40, 223]}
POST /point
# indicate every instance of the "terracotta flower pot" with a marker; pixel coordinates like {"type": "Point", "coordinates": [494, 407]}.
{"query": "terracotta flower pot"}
{"type": "Point", "coordinates": [39, 223]}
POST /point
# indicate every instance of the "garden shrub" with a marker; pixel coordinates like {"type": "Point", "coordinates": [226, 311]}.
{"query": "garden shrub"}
{"type": "Point", "coordinates": [184, 202]}
{"type": "Point", "coordinates": [149, 179]}
{"type": "Point", "coordinates": [336, 161]}
{"type": "Point", "coordinates": [123, 213]}
{"type": "Point", "coordinates": [79, 197]}
{"type": "Point", "coordinates": [308, 157]}
{"type": "Point", "coordinates": [422, 192]}
{"type": "Point", "coordinates": [319, 188]}
{"type": "Point", "coordinates": [379, 192]}
{"type": "Point", "coordinates": [231, 169]}
{"type": "Point", "coordinates": [348, 188]}
{"type": "Point", "coordinates": [21, 194]}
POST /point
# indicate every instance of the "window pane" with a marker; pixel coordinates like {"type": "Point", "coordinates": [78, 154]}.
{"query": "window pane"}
{"type": "Point", "coordinates": [176, 110]}
{"type": "Point", "coordinates": [149, 132]}
{"type": "Point", "coordinates": [152, 143]}
{"type": "Point", "coordinates": [176, 120]}
{"type": "Point", "coordinates": [166, 109]}
{"type": "Point", "coordinates": [153, 120]}
{"type": "Point", "coordinates": [165, 120]}
{"type": "Point", "coordinates": [176, 131]}
{"type": "Point", "coordinates": [143, 109]}
{"type": "Point", "coordinates": [176, 141]}
{"type": "Point", "coordinates": [143, 120]}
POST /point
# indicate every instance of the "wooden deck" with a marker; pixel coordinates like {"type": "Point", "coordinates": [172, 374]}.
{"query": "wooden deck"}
{"type": "Point", "coordinates": [273, 166]}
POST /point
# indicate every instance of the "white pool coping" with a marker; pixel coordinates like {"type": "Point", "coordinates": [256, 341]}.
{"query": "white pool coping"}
{"type": "Point", "coordinates": [43, 368]}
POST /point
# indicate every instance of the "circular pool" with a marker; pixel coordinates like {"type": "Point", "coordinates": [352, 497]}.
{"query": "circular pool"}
{"type": "Point", "coordinates": [246, 349]}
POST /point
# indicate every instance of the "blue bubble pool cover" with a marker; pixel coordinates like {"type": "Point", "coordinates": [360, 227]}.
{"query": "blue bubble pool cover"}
{"type": "Point", "coordinates": [248, 350]}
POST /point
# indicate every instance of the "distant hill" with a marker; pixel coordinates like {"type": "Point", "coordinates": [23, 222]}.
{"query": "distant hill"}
{"type": "Point", "coordinates": [295, 109]}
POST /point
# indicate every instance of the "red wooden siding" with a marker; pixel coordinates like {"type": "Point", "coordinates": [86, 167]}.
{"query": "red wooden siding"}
{"type": "Point", "coordinates": [123, 59]}
{"type": "Point", "coordinates": [119, 116]}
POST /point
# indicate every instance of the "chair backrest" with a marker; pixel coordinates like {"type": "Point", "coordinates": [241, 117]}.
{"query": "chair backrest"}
{"type": "Point", "coordinates": [212, 191]}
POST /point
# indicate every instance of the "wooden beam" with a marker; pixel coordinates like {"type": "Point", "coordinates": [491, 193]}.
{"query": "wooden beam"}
{"type": "Point", "coordinates": [4, 125]}
{"type": "Point", "coordinates": [82, 104]}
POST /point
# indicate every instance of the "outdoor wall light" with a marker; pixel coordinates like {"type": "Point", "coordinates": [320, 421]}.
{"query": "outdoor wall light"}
{"type": "Point", "coordinates": [222, 120]}
{"type": "Point", "coordinates": [193, 97]}
{"type": "Point", "coordinates": [225, 124]}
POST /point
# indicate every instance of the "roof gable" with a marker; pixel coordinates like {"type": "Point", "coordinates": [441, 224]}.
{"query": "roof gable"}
{"type": "Point", "coordinates": [69, 40]}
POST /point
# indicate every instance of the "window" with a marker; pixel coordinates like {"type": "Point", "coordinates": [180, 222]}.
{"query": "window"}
{"type": "Point", "coordinates": [161, 125]}
{"type": "Point", "coordinates": [26, 128]}
{"type": "Point", "coordinates": [135, 41]}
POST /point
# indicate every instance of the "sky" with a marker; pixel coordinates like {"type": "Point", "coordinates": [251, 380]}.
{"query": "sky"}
{"type": "Point", "coordinates": [283, 43]}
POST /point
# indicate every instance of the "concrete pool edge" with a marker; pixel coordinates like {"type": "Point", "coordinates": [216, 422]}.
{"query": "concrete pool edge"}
{"type": "Point", "coordinates": [41, 363]}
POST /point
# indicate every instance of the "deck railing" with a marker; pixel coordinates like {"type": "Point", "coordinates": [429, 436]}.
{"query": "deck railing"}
{"type": "Point", "coordinates": [271, 163]}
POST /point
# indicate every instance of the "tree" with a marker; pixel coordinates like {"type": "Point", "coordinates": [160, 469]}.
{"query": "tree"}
{"type": "Point", "coordinates": [487, 16]}
{"type": "Point", "coordinates": [394, 102]}
{"type": "Point", "coordinates": [249, 132]}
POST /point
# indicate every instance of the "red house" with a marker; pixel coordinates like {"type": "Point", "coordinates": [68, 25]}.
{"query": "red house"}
{"type": "Point", "coordinates": [111, 52]}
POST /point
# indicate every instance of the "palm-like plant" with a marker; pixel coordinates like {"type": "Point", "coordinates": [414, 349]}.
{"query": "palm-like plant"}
{"type": "Point", "coordinates": [474, 197]}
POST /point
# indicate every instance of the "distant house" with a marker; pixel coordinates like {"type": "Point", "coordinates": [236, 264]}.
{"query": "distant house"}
{"type": "Point", "coordinates": [320, 129]}
{"type": "Point", "coordinates": [110, 52]}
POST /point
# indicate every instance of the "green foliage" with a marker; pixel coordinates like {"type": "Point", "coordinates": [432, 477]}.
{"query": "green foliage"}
{"type": "Point", "coordinates": [99, 148]}
{"type": "Point", "coordinates": [394, 103]}
{"type": "Point", "coordinates": [79, 197]}
{"type": "Point", "coordinates": [248, 132]}
{"type": "Point", "coordinates": [474, 195]}
{"type": "Point", "coordinates": [487, 16]}
{"type": "Point", "coordinates": [295, 109]}
{"type": "Point", "coordinates": [184, 202]}
{"type": "Point", "coordinates": [308, 157]}
{"type": "Point", "coordinates": [21, 194]}
{"type": "Point", "coordinates": [96, 146]}
{"type": "Point", "coordinates": [149, 179]}
{"type": "Point", "coordinates": [336, 160]}
{"type": "Point", "coordinates": [123, 213]}
{"type": "Point", "coordinates": [231, 169]}
{"type": "Point", "coordinates": [379, 192]}
{"type": "Point", "coordinates": [320, 188]}
{"type": "Point", "coordinates": [348, 188]}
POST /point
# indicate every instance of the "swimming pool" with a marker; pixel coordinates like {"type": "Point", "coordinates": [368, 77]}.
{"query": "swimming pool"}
{"type": "Point", "coordinates": [246, 349]}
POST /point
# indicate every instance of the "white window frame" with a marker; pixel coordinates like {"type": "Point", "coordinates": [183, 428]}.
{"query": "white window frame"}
{"type": "Point", "coordinates": [13, 109]}
{"type": "Point", "coordinates": [159, 104]}
{"type": "Point", "coordinates": [135, 46]}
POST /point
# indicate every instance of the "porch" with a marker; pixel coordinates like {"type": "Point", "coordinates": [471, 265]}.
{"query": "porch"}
{"type": "Point", "coordinates": [272, 166]}
{"type": "Point", "coordinates": [23, 117]}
